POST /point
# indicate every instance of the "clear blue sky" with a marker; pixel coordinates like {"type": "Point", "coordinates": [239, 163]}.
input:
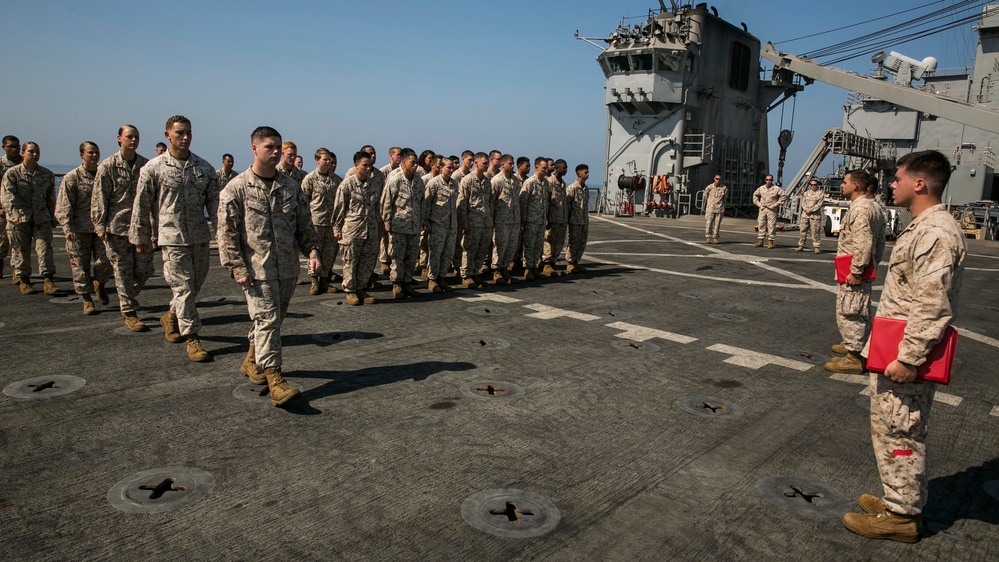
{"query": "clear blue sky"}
{"type": "Point", "coordinates": [443, 75]}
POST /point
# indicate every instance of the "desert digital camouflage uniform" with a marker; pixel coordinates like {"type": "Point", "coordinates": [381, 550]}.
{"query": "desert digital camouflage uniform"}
{"type": "Point", "coordinates": [86, 250]}
{"type": "Point", "coordinates": [225, 178]}
{"type": "Point", "coordinates": [810, 220]}
{"type": "Point", "coordinates": [294, 173]}
{"type": "Point", "coordinates": [111, 213]}
{"type": "Point", "coordinates": [475, 210]}
{"type": "Point", "coordinates": [5, 164]}
{"type": "Point", "coordinates": [768, 199]}
{"type": "Point", "coordinates": [320, 191]}
{"type": "Point", "coordinates": [440, 214]}
{"type": "Point", "coordinates": [922, 286]}
{"type": "Point", "coordinates": [534, 198]}
{"type": "Point", "coordinates": [262, 229]}
{"type": "Point", "coordinates": [402, 214]}
{"type": "Point", "coordinates": [378, 179]}
{"type": "Point", "coordinates": [860, 230]}
{"type": "Point", "coordinates": [457, 176]}
{"type": "Point", "coordinates": [714, 208]}
{"type": "Point", "coordinates": [506, 219]}
{"type": "Point", "coordinates": [518, 252]}
{"type": "Point", "coordinates": [30, 198]}
{"type": "Point", "coordinates": [558, 215]}
{"type": "Point", "coordinates": [385, 170]}
{"type": "Point", "coordinates": [578, 201]}
{"type": "Point", "coordinates": [356, 222]}
{"type": "Point", "coordinates": [175, 197]}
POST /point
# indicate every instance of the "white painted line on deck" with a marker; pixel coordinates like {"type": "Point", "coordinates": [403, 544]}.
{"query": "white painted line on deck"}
{"type": "Point", "coordinates": [489, 297]}
{"type": "Point", "coordinates": [709, 277]}
{"type": "Point", "coordinates": [995, 411]}
{"type": "Point", "coordinates": [977, 337]}
{"type": "Point", "coordinates": [755, 360]}
{"type": "Point", "coordinates": [852, 379]}
{"type": "Point", "coordinates": [948, 399]}
{"type": "Point", "coordinates": [545, 312]}
{"type": "Point", "coordinates": [666, 236]}
{"type": "Point", "coordinates": [641, 333]}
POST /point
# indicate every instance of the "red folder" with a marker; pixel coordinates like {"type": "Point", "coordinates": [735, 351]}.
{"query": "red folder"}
{"type": "Point", "coordinates": [844, 268]}
{"type": "Point", "coordinates": [887, 334]}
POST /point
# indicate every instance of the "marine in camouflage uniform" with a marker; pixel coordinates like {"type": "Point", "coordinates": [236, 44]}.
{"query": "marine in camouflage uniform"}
{"type": "Point", "coordinates": [287, 166]}
{"type": "Point", "coordinates": [86, 251]}
{"type": "Point", "coordinates": [506, 219]}
{"type": "Point", "coordinates": [810, 220]}
{"type": "Point", "coordinates": [534, 198]}
{"type": "Point", "coordinates": [440, 217]}
{"type": "Point", "coordinates": [558, 219]}
{"type": "Point", "coordinates": [862, 236]}
{"type": "Point", "coordinates": [401, 209]}
{"type": "Point", "coordinates": [175, 194]}
{"type": "Point", "coordinates": [111, 212]}
{"type": "Point", "coordinates": [226, 175]}
{"type": "Point", "coordinates": [10, 158]}
{"type": "Point", "coordinates": [457, 176]}
{"type": "Point", "coordinates": [320, 191]}
{"type": "Point", "coordinates": [922, 286]}
{"type": "Point", "coordinates": [264, 224]}
{"type": "Point", "coordinates": [476, 218]}
{"type": "Point", "coordinates": [355, 225]}
{"type": "Point", "coordinates": [378, 179]}
{"type": "Point", "coordinates": [577, 197]}
{"type": "Point", "coordinates": [715, 195]}
{"type": "Point", "coordinates": [27, 193]}
{"type": "Point", "coordinates": [768, 197]}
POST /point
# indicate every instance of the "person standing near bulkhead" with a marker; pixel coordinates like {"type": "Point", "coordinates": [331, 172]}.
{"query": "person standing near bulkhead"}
{"type": "Point", "coordinates": [715, 195]}
{"type": "Point", "coordinates": [768, 197]}
{"type": "Point", "coordinates": [175, 191]}
{"type": "Point", "coordinates": [810, 220]}
{"type": "Point", "coordinates": [578, 199]}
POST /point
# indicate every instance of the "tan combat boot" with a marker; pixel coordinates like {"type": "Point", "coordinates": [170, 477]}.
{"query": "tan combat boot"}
{"type": "Point", "coordinates": [281, 392]}
{"type": "Point", "coordinates": [195, 351]}
{"type": "Point", "coordinates": [443, 285]}
{"type": "Point", "coordinates": [498, 278]}
{"type": "Point", "coordinates": [433, 287]}
{"type": "Point", "coordinates": [353, 299]}
{"type": "Point", "coordinates": [386, 269]}
{"type": "Point", "coordinates": [852, 364]}
{"type": "Point", "coordinates": [759, 242]}
{"type": "Point", "coordinates": [468, 283]}
{"type": "Point", "coordinates": [88, 306]}
{"type": "Point", "coordinates": [714, 240]}
{"type": "Point", "coordinates": [770, 245]}
{"type": "Point", "coordinates": [410, 291]}
{"type": "Point", "coordinates": [872, 504]}
{"type": "Point", "coordinates": [548, 271]}
{"type": "Point", "coordinates": [170, 330]}
{"type": "Point", "coordinates": [484, 269]}
{"type": "Point", "coordinates": [27, 289]}
{"type": "Point", "coordinates": [571, 268]}
{"type": "Point", "coordinates": [133, 324]}
{"type": "Point", "coordinates": [840, 348]}
{"type": "Point", "coordinates": [799, 249]}
{"type": "Point", "coordinates": [49, 288]}
{"type": "Point", "coordinates": [884, 525]}
{"type": "Point", "coordinates": [102, 295]}
{"type": "Point", "coordinates": [506, 275]}
{"type": "Point", "coordinates": [366, 298]}
{"type": "Point", "coordinates": [817, 251]}
{"type": "Point", "coordinates": [249, 367]}
{"type": "Point", "coordinates": [529, 274]}
{"type": "Point", "coordinates": [397, 291]}
{"type": "Point", "coordinates": [314, 288]}
{"type": "Point", "coordinates": [425, 275]}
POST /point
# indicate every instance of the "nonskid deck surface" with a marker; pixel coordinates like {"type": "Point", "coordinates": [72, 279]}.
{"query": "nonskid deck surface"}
{"type": "Point", "coordinates": [670, 404]}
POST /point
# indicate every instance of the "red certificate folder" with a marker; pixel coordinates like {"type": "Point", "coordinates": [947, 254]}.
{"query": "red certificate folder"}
{"type": "Point", "coordinates": [887, 334]}
{"type": "Point", "coordinates": [844, 265]}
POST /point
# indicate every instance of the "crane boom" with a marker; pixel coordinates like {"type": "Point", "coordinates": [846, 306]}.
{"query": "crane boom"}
{"type": "Point", "coordinates": [962, 112]}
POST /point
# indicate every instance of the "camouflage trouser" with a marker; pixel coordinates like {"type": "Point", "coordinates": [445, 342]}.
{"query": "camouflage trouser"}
{"type": "Point", "coordinates": [712, 224]}
{"type": "Point", "coordinates": [534, 238]}
{"type": "Point", "coordinates": [4, 240]}
{"type": "Point", "coordinates": [131, 271]}
{"type": "Point", "coordinates": [359, 256]}
{"type": "Point", "coordinates": [853, 314]}
{"type": "Point", "coordinates": [185, 269]}
{"type": "Point", "coordinates": [578, 233]}
{"type": "Point", "coordinates": [459, 237]}
{"type": "Point", "coordinates": [21, 236]}
{"type": "Point", "coordinates": [767, 223]}
{"type": "Point", "coordinates": [440, 251]}
{"type": "Point", "coordinates": [504, 244]}
{"type": "Point", "coordinates": [899, 417]}
{"type": "Point", "coordinates": [267, 302]}
{"type": "Point", "coordinates": [554, 242]}
{"type": "Point", "coordinates": [474, 247]}
{"type": "Point", "coordinates": [329, 247]}
{"type": "Point", "coordinates": [384, 253]}
{"type": "Point", "coordinates": [87, 252]}
{"type": "Point", "coordinates": [813, 224]}
{"type": "Point", "coordinates": [404, 249]}
{"type": "Point", "coordinates": [518, 246]}
{"type": "Point", "coordinates": [424, 248]}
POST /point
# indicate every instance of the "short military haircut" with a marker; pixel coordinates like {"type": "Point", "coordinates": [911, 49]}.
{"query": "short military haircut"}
{"type": "Point", "coordinates": [506, 158]}
{"type": "Point", "coordinates": [13, 139]}
{"type": "Point", "coordinates": [84, 144]}
{"type": "Point", "coordinates": [24, 147]}
{"type": "Point", "coordinates": [453, 158]}
{"type": "Point", "coordinates": [360, 155]}
{"type": "Point", "coordinates": [367, 148]}
{"type": "Point", "coordinates": [405, 152]}
{"type": "Point", "coordinates": [437, 159]}
{"type": "Point", "coordinates": [539, 160]}
{"type": "Point", "coordinates": [465, 153]}
{"type": "Point", "coordinates": [394, 150]}
{"type": "Point", "coordinates": [324, 151]}
{"type": "Point", "coordinates": [174, 119]}
{"type": "Point", "coordinates": [861, 178]}
{"type": "Point", "coordinates": [523, 160]}
{"type": "Point", "coordinates": [563, 162]}
{"type": "Point", "coordinates": [406, 157]}
{"type": "Point", "coordinates": [261, 133]}
{"type": "Point", "coordinates": [931, 165]}
{"type": "Point", "coordinates": [227, 155]}
{"type": "Point", "coordinates": [121, 130]}
{"type": "Point", "coordinates": [161, 145]}
{"type": "Point", "coordinates": [288, 144]}
{"type": "Point", "coordinates": [495, 153]}
{"type": "Point", "coordinates": [481, 155]}
{"type": "Point", "coordinates": [581, 167]}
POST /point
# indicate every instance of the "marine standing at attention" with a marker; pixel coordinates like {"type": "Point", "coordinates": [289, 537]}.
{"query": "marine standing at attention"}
{"type": "Point", "coordinates": [85, 249]}
{"type": "Point", "coordinates": [476, 219]}
{"type": "Point", "coordinates": [27, 194]}
{"type": "Point", "coordinates": [175, 191]}
{"type": "Point", "coordinates": [355, 225]}
{"type": "Point", "coordinates": [264, 223]}
{"type": "Point", "coordinates": [922, 286]}
{"type": "Point", "coordinates": [226, 173]}
{"type": "Point", "coordinates": [768, 197]}
{"type": "Point", "coordinates": [111, 212]}
{"type": "Point", "coordinates": [715, 195]}
{"type": "Point", "coordinates": [558, 217]}
{"type": "Point", "coordinates": [402, 213]}
{"type": "Point", "coordinates": [810, 220]}
{"type": "Point", "coordinates": [11, 157]}
{"type": "Point", "coordinates": [861, 235]}
{"type": "Point", "coordinates": [440, 219]}
{"type": "Point", "coordinates": [533, 214]}
{"type": "Point", "coordinates": [289, 152]}
{"type": "Point", "coordinates": [577, 197]}
{"type": "Point", "coordinates": [506, 219]}
{"type": "Point", "coordinates": [319, 187]}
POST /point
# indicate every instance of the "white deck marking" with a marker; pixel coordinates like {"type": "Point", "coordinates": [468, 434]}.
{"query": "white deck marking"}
{"type": "Point", "coordinates": [977, 337]}
{"type": "Point", "coordinates": [545, 312]}
{"type": "Point", "coordinates": [711, 278]}
{"type": "Point", "coordinates": [755, 360]}
{"type": "Point", "coordinates": [641, 333]}
{"type": "Point", "coordinates": [948, 399]}
{"type": "Point", "coordinates": [489, 297]}
{"type": "Point", "coordinates": [995, 411]}
{"type": "Point", "coordinates": [852, 379]}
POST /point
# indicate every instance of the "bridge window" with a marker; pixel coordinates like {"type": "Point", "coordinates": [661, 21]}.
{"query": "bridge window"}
{"type": "Point", "coordinates": [642, 63]}
{"type": "Point", "coordinates": [619, 64]}
{"type": "Point", "coordinates": [738, 77]}
{"type": "Point", "coordinates": [669, 62]}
